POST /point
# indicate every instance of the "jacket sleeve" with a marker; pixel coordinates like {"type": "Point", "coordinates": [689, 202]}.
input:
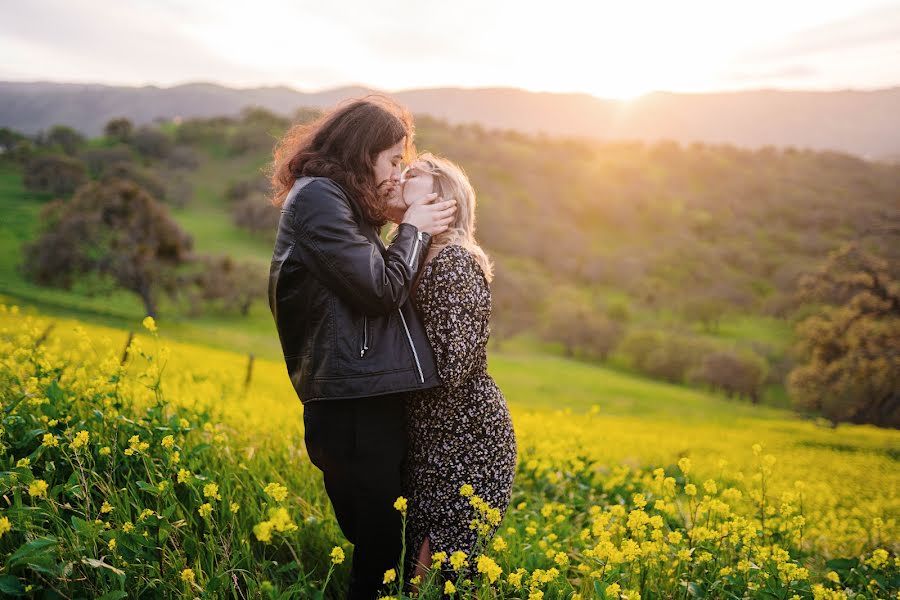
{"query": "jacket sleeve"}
{"type": "Point", "coordinates": [458, 307]}
{"type": "Point", "coordinates": [331, 245]}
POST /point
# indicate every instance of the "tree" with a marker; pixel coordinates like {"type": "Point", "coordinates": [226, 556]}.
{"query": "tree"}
{"type": "Point", "coordinates": [152, 143]}
{"type": "Point", "coordinates": [850, 351]}
{"type": "Point", "coordinates": [256, 214]}
{"type": "Point", "coordinates": [516, 293]}
{"type": "Point", "coordinates": [144, 178]}
{"type": "Point", "coordinates": [213, 131]}
{"type": "Point", "coordinates": [221, 280]}
{"type": "Point", "coordinates": [65, 138]}
{"type": "Point", "coordinates": [183, 157]}
{"type": "Point", "coordinates": [9, 138]}
{"type": "Point", "coordinates": [55, 174]}
{"type": "Point", "coordinates": [114, 230]}
{"type": "Point", "coordinates": [241, 189]}
{"type": "Point", "coordinates": [119, 129]}
{"type": "Point", "coordinates": [662, 354]}
{"type": "Point", "coordinates": [100, 160]}
{"type": "Point", "coordinates": [258, 129]}
{"type": "Point", "coordinates": [741, 374]}
{"type": "Point", "coordinates": [581, 326]}
{"type": "Point", "coordinates": [707, 309]}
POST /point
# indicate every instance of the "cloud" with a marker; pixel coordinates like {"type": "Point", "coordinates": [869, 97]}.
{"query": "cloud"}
{"type": "Point", "coordinates": [789, 72]}
{"type": "Point", "coordinates": [109, 41]}
{"type": "Point", "coordinates": [875, 27]}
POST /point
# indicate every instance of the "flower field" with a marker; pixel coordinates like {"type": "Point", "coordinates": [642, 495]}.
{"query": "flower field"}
{"type": "Point", "coordinates": [160, 472]}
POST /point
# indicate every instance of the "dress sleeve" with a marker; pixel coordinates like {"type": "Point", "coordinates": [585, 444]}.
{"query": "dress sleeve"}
{"type": "Point", "coordinates": [458, 311]}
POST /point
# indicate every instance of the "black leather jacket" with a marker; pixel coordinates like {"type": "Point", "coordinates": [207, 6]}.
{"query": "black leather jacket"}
{"type": "Point", "coordinates": [341, 299]}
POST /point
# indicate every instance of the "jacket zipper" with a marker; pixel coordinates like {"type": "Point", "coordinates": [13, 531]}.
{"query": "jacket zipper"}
{"type": "Point", "coordinates": [415, 247]}
{"type": "Point", "coordinates": [411, 345]}
{"type": "Point", "coordinates": [365, 345]}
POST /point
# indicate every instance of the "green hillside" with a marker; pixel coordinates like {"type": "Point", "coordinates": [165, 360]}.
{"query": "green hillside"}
{"type": "Point", "coordinates": [702, 245]}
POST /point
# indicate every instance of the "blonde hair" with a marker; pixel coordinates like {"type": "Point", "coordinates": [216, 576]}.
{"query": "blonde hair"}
{"type": "Point", "coordinates": [451, 182]}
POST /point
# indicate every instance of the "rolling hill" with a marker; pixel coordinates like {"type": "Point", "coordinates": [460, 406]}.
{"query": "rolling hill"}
{"type": "Point", "coordinates": [863, 123]}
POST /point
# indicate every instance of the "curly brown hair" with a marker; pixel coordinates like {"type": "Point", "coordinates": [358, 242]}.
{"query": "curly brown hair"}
{"type": "Point", "coordinates": [342, 145]}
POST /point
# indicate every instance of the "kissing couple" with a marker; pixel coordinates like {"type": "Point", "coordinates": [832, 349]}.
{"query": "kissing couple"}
{"type": "Point", "coordinates": [385, 343]}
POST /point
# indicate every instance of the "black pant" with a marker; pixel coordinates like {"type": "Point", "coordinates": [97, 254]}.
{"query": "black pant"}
{"type": "Point", "coordinates": [360, 446]}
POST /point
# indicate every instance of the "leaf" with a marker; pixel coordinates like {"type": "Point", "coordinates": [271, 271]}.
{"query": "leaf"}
{"type": "Point", "coordinates": [147, 487]}
{"type": "Point", "coordinates": [694, 589]}
{"type": "Point", "coordinates": [99, 564]}
{"type": "Point", "coordinates": [34, 555]}
{"type": "Point", "coordinates": [83, 527]}
{"type": "Point", "coordinates": [54, 392]}
{"type": "Point", "coordinates": [10, 584]}
{"type": "Point", "coordinates": [842, 564]}
{"type": "Point", "coordinates": [198, 449]}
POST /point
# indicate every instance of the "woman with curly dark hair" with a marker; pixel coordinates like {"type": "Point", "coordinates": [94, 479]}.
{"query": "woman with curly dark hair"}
{"type": "Point", "coordinates": [352, 343]}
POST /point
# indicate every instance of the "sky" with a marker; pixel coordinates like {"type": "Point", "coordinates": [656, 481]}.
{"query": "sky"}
{"type": "Point", "coordinates": [620, 49]}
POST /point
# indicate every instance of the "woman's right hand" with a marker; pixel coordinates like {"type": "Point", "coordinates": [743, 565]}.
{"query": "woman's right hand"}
{"type": "Point", "coordinates": [431, 214]}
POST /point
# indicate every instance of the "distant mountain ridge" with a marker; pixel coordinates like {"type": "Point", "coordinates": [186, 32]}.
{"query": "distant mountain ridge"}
{"type": "Point", "coordinates": [864, 123]}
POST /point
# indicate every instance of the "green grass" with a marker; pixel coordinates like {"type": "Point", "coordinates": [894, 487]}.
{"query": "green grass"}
{"type": "Point", "coordinates": [207, 219]}
{"type": "Point", "coordinates": [543, 381]}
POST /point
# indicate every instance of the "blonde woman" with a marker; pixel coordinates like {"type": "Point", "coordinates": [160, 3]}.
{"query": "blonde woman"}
{"type": "Point", "coordinates": [460, 432]}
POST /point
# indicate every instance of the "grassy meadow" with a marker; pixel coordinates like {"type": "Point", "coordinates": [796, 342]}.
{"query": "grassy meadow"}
{"type": "Point", "coordinates": [166, 476]}
{"type": "Point", "coordinates": [154, 470]}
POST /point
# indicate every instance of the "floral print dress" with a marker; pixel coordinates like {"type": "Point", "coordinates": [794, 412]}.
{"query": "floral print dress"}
{"type": "Point", "coordinates": [459, 432]}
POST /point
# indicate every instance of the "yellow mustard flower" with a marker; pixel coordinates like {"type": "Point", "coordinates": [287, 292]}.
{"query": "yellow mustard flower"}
{"type": "Point", "coordinates": [149, 324]}
{"type": "Point", "coordinates": [38, 488]}
{"type": "Point", "coordinates": [277, 491]}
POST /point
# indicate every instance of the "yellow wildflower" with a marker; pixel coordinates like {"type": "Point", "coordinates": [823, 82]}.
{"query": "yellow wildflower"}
{"type": "Point", "coordinates": [81, 440]}
{"type": "Point", "coordinates": [337, 555]}
{"type": "Point", "coordinates": [458, 559]}
{"type": "Point", "coordinates": [277, 491]}
{"type": "Point", "coordinates": [490, 568]}
{"type": "Point", "coordinates": [149, 324]}
{"type": "Point", "coordinates": [211, 490]}
{"type": "Point", "coordinates": [38, 488]}
{"type": "Point", "coordinates": [263, 531]}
